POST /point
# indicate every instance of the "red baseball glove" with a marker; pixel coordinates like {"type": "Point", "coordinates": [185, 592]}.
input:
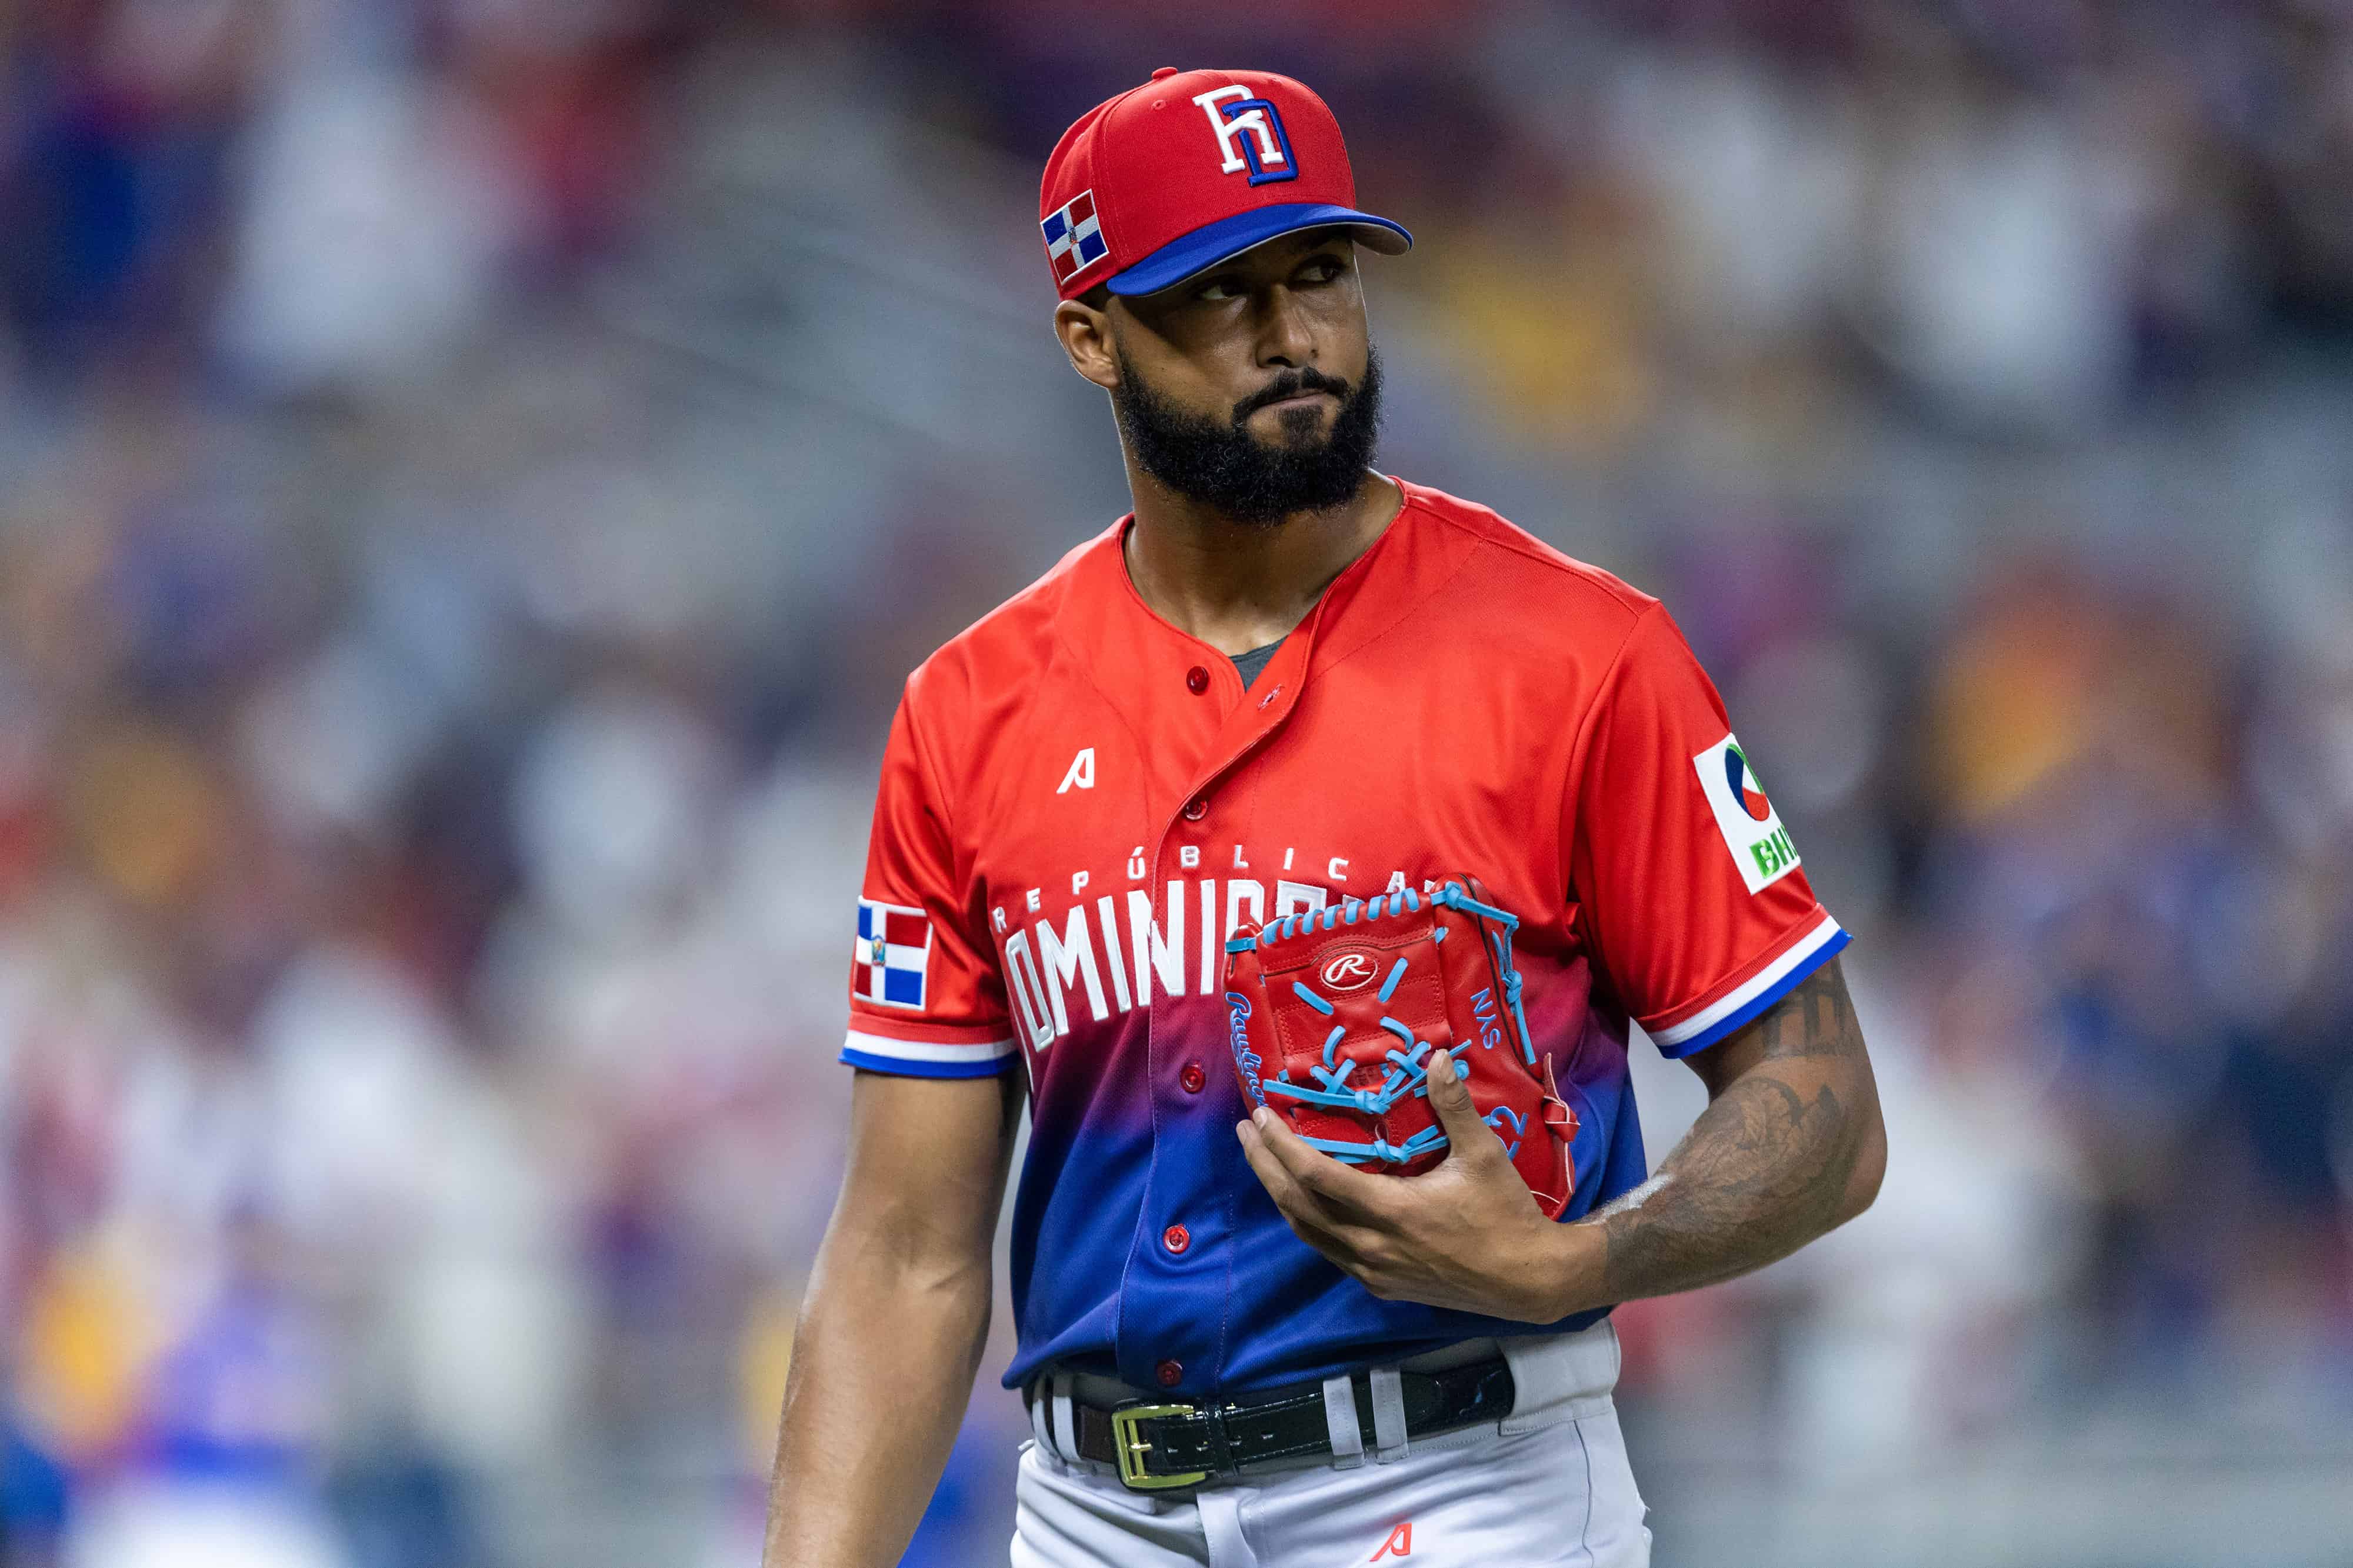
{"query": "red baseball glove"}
{"type": "Point", "coordinates": [1336, 1011]}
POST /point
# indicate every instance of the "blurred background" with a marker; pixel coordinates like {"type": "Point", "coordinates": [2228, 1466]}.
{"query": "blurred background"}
{"type": "Point", "coordinates": [474, 473]}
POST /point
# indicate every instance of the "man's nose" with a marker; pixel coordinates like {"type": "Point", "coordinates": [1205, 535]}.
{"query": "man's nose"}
{"type": "Point", "coordinates": [1286, 337]}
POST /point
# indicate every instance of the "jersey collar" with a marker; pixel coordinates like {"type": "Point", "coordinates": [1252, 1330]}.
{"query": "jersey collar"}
{"type": "Point", "coordinates": [1140, 662]}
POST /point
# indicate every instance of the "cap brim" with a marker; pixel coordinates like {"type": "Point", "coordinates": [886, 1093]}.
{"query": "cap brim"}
{"type": "Point", "coordinates": [1229, 237]}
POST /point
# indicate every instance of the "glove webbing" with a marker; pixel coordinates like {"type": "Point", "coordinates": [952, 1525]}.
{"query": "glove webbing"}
{"type": "Point", "coordinates": [1408, 1069]}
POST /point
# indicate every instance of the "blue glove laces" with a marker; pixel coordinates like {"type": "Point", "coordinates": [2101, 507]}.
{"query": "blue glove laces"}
{"type": "Point", "coordinates": [1404, 1066]}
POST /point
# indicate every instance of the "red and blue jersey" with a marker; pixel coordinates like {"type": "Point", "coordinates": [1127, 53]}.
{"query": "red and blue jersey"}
{"type": "Point", "coordinates": [1079, 802]}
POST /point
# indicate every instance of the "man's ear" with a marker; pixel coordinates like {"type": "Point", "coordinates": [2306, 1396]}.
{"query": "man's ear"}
{"type": "Point", "coordinates": [1085, 330]}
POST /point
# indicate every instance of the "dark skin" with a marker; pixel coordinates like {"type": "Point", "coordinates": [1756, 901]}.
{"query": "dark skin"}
{"type": "Point", "coordinates": [1213, 340]}
{"type": "Point", "coordinates": [897, 1310]}
{"type": "Point", "coordinates": [894, 1320]}
{"type": "Point", "coordinates": [1789, 1147]}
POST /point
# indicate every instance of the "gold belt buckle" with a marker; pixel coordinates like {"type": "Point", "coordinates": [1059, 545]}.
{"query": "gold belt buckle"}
{"type": "Point", "coordinates": [1132, 1447]}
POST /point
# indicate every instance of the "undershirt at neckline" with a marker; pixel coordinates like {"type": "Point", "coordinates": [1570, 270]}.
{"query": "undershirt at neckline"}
{"type": "Point", "coordinates": [1249, 664]}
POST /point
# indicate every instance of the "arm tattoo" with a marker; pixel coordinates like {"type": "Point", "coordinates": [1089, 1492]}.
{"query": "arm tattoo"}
{"type": "Point", "coordinates": [1815, 1020]}
{"type": "Point", "coordinates": [1765, 1168]}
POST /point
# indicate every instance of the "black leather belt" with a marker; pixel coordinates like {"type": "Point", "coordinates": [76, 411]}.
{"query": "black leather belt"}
{"type": "Point", "coordinates": [1158, 1445]}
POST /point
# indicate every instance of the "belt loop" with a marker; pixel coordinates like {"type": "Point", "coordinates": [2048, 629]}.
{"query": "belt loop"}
{"type": "Point", "coordinates": [1388, 1415]}
{"type": "Point", "coordinates": [1066, 1430]}
{"type": "Point", "coordinates": [1042, 1414]}
{"type": "Point", "coordinates": [1220, 1512]}
{"type": "Point", "coordinates": [1557, 1377]}
{"type": "Point", "coordinates": [1340, 1416]}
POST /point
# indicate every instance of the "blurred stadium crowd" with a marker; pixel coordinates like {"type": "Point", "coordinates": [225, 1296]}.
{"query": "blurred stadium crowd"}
{"type": "Point", "coordinates": [473, 474]}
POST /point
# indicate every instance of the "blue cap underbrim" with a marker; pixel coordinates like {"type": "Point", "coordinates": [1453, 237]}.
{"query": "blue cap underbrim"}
{"type": "Point", "coordinates": [1229, 237]}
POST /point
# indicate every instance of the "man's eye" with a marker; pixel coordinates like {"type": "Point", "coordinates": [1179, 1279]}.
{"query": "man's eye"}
{"type": "Point", "coordinates": [1219, 288]}
{"type": "Point", "coordinates": [1323, 270]}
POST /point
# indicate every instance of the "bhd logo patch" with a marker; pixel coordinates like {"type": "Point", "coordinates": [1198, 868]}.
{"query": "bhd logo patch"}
{"type": "Point", "coordinates": [1074, 240]}
{"type": "Point", "coordinates": [894, 954]}
{"type": "Point", "coordinates": [1751, 827]}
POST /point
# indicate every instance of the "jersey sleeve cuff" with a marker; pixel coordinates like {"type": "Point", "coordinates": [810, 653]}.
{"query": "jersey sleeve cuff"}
{"type": "Point", "coordinates": [927, 1058]}
{"type": "Point", "coordinates": [1746, 1002]}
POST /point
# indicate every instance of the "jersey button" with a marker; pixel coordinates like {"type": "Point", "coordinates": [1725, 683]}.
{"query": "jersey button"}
{"type": "Point", "coordinates": [1197, 680]}
{"type": "Point", "coordinates": [1193, 1077]}
{"type": "Point", "coordinates": [1169, 1373]}
{"type": "Point", "coordinates": [1176, 1239]}
{"type": "Point", "coordinates": [1196, 808]}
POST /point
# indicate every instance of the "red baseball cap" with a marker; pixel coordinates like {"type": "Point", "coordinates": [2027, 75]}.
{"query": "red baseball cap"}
{"type": "Point", "coordinates": [1189, 170]}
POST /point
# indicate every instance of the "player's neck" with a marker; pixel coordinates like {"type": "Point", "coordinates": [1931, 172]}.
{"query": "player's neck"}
{"type": "Point", "coordinates": [1238, 586]}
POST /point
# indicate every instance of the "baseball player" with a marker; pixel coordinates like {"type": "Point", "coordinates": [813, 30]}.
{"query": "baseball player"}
{"type": "Point", "coordinates": [1299, 846]}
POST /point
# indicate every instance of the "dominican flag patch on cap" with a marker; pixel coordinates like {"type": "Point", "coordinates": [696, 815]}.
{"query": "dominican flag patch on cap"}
{"type": "Point", "coordinates": [1074, 240]}
{"type": "Point", "coordinates": [894, 951]}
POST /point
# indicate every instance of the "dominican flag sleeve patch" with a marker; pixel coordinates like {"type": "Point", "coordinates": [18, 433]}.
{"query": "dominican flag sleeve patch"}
{"type": "Point", "coordinates": [1744, 814]}
{"type": "Point", "coordinates": [1074, 240]}
{"type": "Point", "coordinates": [894, 954]}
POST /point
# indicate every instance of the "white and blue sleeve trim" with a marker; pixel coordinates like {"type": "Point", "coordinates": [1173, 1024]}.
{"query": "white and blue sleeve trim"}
{"type": "Point", "coordinates": [1746, 1002]}
{"type": "Point", "coordinates": [927, 1058]}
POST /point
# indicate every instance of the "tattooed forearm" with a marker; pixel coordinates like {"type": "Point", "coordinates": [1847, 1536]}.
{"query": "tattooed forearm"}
{"type": "Point", "coordinates": [1758, 1177]}
{"type": "Point", "coordinates": [1770, 1165]}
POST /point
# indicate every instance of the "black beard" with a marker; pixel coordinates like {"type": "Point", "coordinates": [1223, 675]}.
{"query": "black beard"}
{"type": "Point", "coordinates": [1224, 467]}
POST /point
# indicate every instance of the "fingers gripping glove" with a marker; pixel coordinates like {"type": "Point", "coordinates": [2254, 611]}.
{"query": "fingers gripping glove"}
{"type": "Point", "coordinates": [1335, 1013]}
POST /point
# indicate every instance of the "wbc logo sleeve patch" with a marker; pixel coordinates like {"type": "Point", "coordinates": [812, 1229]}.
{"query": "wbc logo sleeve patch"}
{"type": "Point", "coordinates": [1751, 827]}
{"type": "Point", "coordinates": [893, 956]}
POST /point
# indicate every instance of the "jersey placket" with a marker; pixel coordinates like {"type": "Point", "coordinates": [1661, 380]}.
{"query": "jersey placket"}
{"type": "Point", "coordinates": [1183, 1233]}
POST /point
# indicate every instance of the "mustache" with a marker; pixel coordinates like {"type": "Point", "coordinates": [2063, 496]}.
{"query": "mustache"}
{"type": "Point", "coordinates": [1290, 383]}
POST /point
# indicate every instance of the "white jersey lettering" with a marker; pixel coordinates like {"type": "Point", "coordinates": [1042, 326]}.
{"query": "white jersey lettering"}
{"type": "Point", "coordinates": [1110, 943]}
{"type": "Point", "coordinates": [1029, 996]}
{"type": "Point", "coordinates": [1066, 958]}
{"type": "Point", "coordinates": [1290, 898]}
{"type": "Point", "coordinates": [1157, 952]}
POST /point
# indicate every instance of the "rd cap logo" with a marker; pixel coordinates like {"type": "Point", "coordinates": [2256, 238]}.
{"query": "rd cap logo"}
{"type": "Point", "coordinates": [1347, 971]}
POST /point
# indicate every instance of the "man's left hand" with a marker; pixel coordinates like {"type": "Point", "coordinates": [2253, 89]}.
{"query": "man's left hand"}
{"type": "Point", "coordinates": [1466, 1235]}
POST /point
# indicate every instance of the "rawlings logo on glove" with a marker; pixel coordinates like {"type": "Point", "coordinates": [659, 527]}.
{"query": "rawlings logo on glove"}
{"type": "Point", "coordinates": [1345, 1006]}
